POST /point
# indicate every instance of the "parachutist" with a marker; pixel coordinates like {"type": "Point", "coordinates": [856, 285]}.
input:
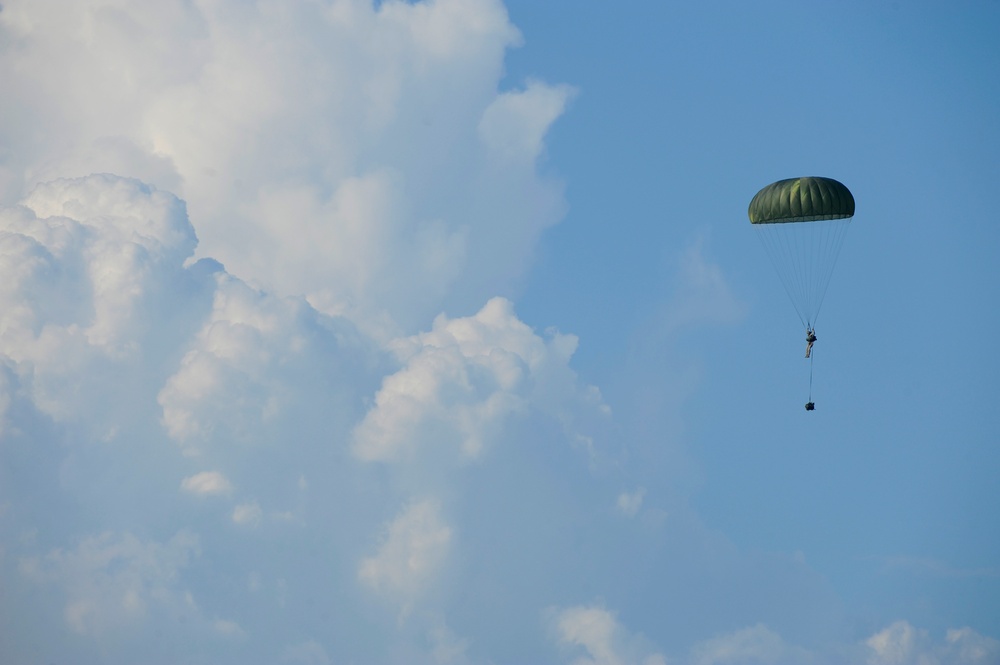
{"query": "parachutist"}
{"type": "Point", "coordinates": [801, 223]}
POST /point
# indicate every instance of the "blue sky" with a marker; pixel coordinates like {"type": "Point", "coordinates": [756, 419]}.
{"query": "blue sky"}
{"type": "Point", "coordinates": [436, 332]}
{"type": "Point", "coordinates": [889, 487]}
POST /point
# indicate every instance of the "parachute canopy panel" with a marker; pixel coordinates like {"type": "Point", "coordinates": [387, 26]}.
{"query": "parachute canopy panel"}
{"type": "Point", "coordinates": [801, 200]}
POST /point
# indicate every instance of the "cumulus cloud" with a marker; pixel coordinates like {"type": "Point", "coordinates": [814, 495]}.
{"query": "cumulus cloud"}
{"type": "Point", "coordinates": [414, 547]}
{"type": "Point", "coordinates": [756, 644]}
{"type": "Point", "coordinates": [903, 644]}
{"type": "Point", "coordinates": [629, 503]}
{"type": "Point", "coordinates": [257, 360]}
{"type": "Point", "coordinates": [463, 380]}
{"type": "Point", "coordinates": [89, 267]}
{"type": "Point", "coordinates": [446, 647]}
{"type": "Point", "coordinates": [113, 341]}
{"type": "Point", "coordinates": [354, 152]}
{"type": "Point", "coordinates": [207, 482]}
{"type": "Point", "coordinates": [112, 582]}
{"type": "Point", "coordinates": [113, 334]}
{"type": "Point", "coordinates": [968, 646]}
{"type": "Point", "coordinates": [310, 652]}
{"type": "Point", "coordinates": [352, 169]}
{"type": "Point", "coordinates": [228, 628]}
{"type": "Point", "coordinates": [598, 632]}
{"type": "Point", "coordinates": [900, 643]}
{"type": "Point", "coordinates": [514, 125]}
{"type": "Point", "coordinates": [247, 513]}
{"type": "Point", "coordinates": [896, 644]}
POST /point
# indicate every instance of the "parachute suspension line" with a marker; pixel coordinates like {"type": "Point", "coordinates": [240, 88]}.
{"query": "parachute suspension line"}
{"type": "Point", "coordinates": [788, 245]}
{"type": "Point", "coordinates": [818, 256]}
{"type": "Point", "coordinates": [785, 245]}
{"type": "Point", "coordinates": [792, 251]}
{"type": "Point", "coordinates": [804, 256]}
{"type": "Point", "coordinates": [836, 232]}
{"type": "Point", "coordinates": [770, 242]}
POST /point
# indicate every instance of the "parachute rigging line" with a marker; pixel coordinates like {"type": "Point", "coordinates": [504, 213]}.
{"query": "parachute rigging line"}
{"type": "Point", "coordinates": [804, 257]}
{"type": "Point", "coordinates": [782, 277]}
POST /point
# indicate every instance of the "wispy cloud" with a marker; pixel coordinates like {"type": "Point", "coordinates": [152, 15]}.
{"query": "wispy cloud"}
{"type": "Point", "coordinates": [932, 567]}
{"type": "Point", "coordinates": [629, 503]}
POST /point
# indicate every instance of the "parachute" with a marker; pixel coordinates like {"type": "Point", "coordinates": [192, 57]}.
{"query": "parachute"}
{"type": "Point", "coordinates": [802, 222]}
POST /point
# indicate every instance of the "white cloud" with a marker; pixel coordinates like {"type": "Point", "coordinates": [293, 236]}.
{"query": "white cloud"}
{"type": "Point", "coordinates": [310, 652]}
{"type": "Point", "coordinates": [8, 386]}
{"type": "Point", "coordinates": [354, 152]}
{"type": "Point", "coordinates": [413, 550]}
{"type": "Point", "coordinates": [206, 483]}
{"type": "Point", "coordinates": [228, 628]}
{"type": "Point", "coordinates": [896, 644]}
{"type": "Point", "coordinates": [968, 646]}
{"type": "Point", "coordinates": [756, 644]}
{"type": "Point", "coordinates": [112, 582]}
{"type": "Point", "coordinates": [630, 503]}
{"type": "Point", "coordinates": [599, 633]}
{"type": "Point", "coordinates": [358, 169]}
{"type": "Point", "coordinates": [514, 125]}
{"type": "Point", "coordinates": [593, 629]}
{"type": "Point", "coordinates": [248, 514]}
{"type": "Point", "coordinates": [463, 380]}
{"type": "Point", "coordinates": [902, 644]}
{"type": "Point", "coordinates": [224, 381]}
{"type": "Point", "coordinates": [257, 361]}
{"type": "Point", "coordinates": [345, 160]}
{"type": "Point", "coordinates": [89, 267]}
{"type": "Point", "coordinates": [448, 647]}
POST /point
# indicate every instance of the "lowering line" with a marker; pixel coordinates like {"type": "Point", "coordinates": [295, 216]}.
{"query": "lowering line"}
{"type": "Point", "coordinates": [810, 406]}
{"type": "Point", "coordinates": [810, 378]}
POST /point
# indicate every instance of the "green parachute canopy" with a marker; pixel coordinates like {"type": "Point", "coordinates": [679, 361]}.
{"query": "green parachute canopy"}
{"type": "Point", "coordinates": [801, 200]}
{"type": "Point", "coordinates": [802, 222]}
